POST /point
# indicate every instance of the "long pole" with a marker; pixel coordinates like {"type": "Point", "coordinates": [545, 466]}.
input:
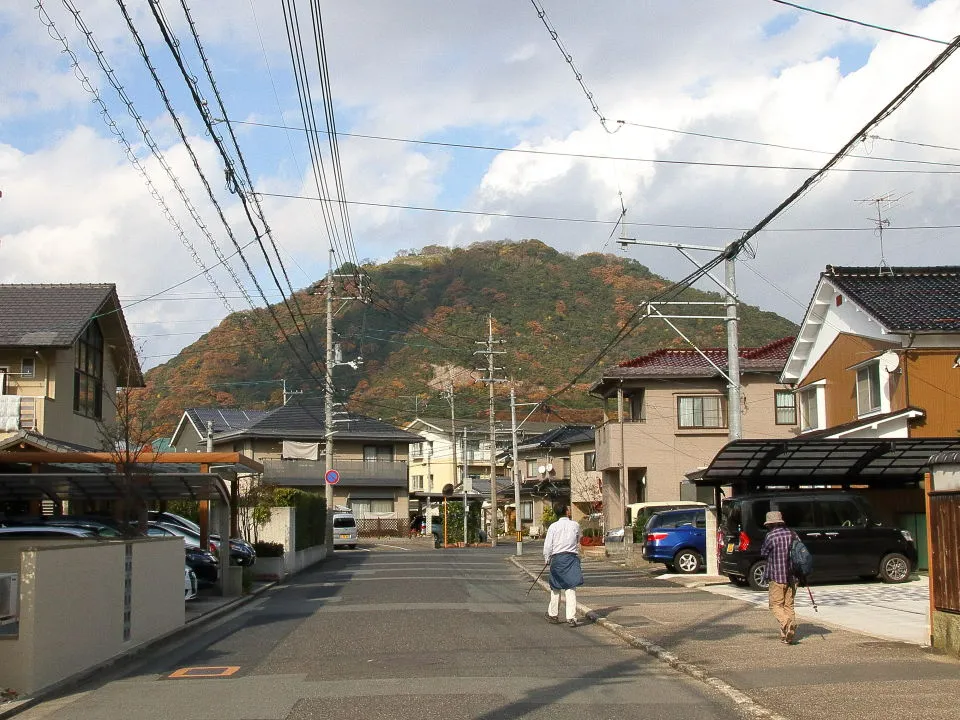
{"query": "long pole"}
{"type": "Point", "coordinates": [734, 402]}
{"type": "Point", "coordinates": [493, 438]}
{"type": "Point", "coordinates": [516, 471]}
{"type": "Point", "coordinates": [328, 406]}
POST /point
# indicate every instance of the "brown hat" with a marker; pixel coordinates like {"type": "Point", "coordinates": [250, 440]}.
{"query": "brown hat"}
{"type": "Point", "coordinates": [774, 517]}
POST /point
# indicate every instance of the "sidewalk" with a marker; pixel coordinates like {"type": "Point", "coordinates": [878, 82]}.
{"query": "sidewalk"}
{"type": "Point", "coordinates": [733, 645]}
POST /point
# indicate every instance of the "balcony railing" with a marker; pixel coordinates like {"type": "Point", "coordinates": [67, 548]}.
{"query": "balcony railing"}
{"type": "Point", "coordinates": [386, 473]}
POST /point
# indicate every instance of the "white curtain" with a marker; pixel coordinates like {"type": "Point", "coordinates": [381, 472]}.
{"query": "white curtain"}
{"type": "Point", "coordinates": [9, 412]}
{"type": "Point", "coordinates": [293, 450]}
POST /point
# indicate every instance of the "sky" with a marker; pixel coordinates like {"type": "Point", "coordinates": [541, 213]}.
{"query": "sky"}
{"type": "Point", "coordinates": [411, 84]}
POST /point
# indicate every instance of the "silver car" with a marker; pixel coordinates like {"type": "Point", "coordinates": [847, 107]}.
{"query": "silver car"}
{"type": "Point", "coordinates": [344, 530]}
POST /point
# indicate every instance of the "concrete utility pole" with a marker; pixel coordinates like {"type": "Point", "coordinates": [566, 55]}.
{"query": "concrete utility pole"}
{"type": "Point", "coordinates": [516, 471]}
{"type": "Point", "coordinates": [328, 408]}
{"type": "Point", "coordinates": [491, 368]}
{"type": "Point", "coordinates": [732, 374]}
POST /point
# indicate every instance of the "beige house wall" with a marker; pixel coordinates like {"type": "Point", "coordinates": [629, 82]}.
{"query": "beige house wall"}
{"type": "Point", "coordinates": [52, 386]}
{"type": "Point", "coordinates": [72, 605]}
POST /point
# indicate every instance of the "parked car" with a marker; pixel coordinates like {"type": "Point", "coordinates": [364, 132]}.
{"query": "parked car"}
{"type": "Point", "coordinates": [44, 531]}
{"type": "Point", "coordinates": [98, 526]}
{"type": "Point", "coordinates": [204, 564]}
{"type": "Point", "coordinates": [189, 583]}
{"type": "Point", "coordinates": [642, 510]}
{"type": "Point", "coordinates": [678, 539]}
{"type": "Point", "coordinates": [344, 530]}
{"type": "Point", "coordinates": [837, 527]}
{"type": "Point", "coordinates": [170, 518]}
{"type": "Point", "coordinates": [239, 554]}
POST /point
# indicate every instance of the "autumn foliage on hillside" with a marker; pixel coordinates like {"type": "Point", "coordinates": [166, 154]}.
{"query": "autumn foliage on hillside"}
{"type": "Point", "coordinates": [425, 319]}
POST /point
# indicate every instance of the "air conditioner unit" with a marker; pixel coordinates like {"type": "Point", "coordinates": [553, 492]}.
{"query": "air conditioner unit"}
{"type": "Point", "coordinates": [9, 598]}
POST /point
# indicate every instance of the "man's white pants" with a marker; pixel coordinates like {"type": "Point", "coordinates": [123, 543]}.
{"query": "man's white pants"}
{"type": "Point", "coordinates": [569, 599]}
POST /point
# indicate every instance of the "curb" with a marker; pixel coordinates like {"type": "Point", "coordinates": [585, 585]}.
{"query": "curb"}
{"type": "Point", "coordinates": [747, 705]}
{"type": "Point", "coordinates": [18, 706]}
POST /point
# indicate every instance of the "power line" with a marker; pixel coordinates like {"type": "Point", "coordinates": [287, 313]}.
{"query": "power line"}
{"type": "Point", "coordinates": [620, 158]}
{"type": "Point", "coordinates": [859, 22]}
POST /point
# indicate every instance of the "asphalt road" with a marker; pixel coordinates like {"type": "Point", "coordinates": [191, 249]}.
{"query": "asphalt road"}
{"type": "Point", "coordinates": [382, 633]}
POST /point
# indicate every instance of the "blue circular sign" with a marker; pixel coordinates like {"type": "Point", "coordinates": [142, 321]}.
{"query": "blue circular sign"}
{"type": "Point", "coordinates": [332, 477]}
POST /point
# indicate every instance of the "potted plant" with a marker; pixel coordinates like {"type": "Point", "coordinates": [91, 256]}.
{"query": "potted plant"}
{"type": "Point", "coordinates": [270, 564]}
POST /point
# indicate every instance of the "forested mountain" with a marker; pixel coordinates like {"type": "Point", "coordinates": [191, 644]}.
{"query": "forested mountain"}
{"type": "Point", "coordinates": [555, 315]}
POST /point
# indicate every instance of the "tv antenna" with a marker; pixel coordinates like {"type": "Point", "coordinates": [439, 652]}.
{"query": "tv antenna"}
{"type": "Point", "coordinates": [883, 202]}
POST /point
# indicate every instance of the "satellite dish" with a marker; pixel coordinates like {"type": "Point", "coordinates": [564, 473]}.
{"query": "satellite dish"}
{"type": "Point", "coordinates": [549, 467]}
{"type": "Point", "coordinates": [889, 361]}
{"type": "Point", "coordinates": [542, 469]}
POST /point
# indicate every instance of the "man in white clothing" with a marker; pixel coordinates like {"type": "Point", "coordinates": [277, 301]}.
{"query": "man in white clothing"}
{"type": "Point", "coordinates": [561, 549]}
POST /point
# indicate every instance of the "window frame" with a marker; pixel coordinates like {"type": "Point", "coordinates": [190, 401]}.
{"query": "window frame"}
{"type": "Point", "coordinates": [817, 391]}
{"type": "Point", "coordinates": [777, 407]}
{"type": "Point", "coordinates": [869, 375]}
{"type": "Point", "coordinates": [721, 412]}
{"type": "Point", "coordinates": [88, 373]}
{"type": "Point", "coordinates": [590, 460]}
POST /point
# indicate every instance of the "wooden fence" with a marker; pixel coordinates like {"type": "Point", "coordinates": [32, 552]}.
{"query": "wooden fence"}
{"type": "Point", "coordinates": [382, 527]}
{"type": "Point", "coordinates": [944, 541]}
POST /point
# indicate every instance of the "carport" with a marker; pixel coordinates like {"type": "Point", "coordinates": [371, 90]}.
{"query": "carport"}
{"type": "Point", "coordinates": [31, 477]}
{"type": "Point", "coordinates": [890, 472]}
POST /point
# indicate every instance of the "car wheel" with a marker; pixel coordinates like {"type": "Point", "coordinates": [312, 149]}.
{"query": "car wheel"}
{"type": "Point", "coordinates": [755, 578]}
{"type": "Point", "coordinates": [688, 561]}
{"type": "Point", "coordinates": [894, 568]}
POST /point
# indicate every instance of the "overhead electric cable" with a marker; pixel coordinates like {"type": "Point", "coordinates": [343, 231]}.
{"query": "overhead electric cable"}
{"type": "Point", "coordinates": [618, 158]}
{"type": "Point", "coordinates": [804, 8]}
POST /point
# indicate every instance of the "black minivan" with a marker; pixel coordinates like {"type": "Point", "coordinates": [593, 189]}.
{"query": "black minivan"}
{"type": "Point", "coordinates": [835, 526]}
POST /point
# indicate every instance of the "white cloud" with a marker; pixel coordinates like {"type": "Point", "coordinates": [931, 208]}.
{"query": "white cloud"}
{"type": "Point", "coordinates": [488, 73]}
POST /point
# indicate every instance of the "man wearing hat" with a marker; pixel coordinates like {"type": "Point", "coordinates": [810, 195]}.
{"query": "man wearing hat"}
{"type": "Point", "coordinates": [779, 572]}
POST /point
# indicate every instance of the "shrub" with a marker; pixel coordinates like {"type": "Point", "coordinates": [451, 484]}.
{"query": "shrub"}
{"type": "Point", "coordinates": [310, 513]}
{"type": "Point", "coordinates": [268, 549]}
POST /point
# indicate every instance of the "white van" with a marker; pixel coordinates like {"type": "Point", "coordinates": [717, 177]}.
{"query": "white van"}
{"type": "Point", "coordinates": [635, 510]}
{"type": "Point", "coordinates": [344, 530]}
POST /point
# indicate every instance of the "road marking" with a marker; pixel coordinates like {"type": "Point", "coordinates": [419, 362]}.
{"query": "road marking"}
{"type": "Point", "coordinates": [205, 672]}
{"type": "Point", "coordinates": [395, 547]}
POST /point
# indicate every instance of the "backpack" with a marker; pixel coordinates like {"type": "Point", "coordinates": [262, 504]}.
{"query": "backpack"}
{"type": "Point", "coordinates": [801, 561]}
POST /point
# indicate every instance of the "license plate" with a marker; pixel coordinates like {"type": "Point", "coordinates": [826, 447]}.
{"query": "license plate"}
{"type": "Point", "coordinates": [344, 537]}
{"type": "Point", "coordinates": [729, 548]}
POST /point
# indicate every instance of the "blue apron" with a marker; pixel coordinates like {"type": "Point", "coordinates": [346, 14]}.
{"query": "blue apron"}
{"type": "Point", "coordinates": [565, 572]}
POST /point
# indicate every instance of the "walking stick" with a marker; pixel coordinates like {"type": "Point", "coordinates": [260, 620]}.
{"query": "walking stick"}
{"type": "Point", "coordinates": [812, 601]}
{"type": "Point", "coordinates": [538, 576]}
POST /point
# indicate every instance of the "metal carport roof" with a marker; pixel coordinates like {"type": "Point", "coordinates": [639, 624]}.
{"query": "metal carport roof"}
{"type": "Point", "coordinates": [880, 463]}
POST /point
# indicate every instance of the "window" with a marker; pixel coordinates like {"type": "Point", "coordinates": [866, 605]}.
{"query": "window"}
{"type": "Point", "coordinates": [381, 506]}
{"type": "Point", "coordinates": [26, 368]}
{"type": "Point", "coordinates": [797, 514]}
{"type": "Point", "coordinates": [636, 406]}
{"type": "Point", "coordinates": [590, 461]}
{"type": "Point", "coordinates": [368, 507]}
{"type": "Point", "coordinates": [532, 466]}
{"type": "Point", "coordinates": [868, 388]}
{"type": "Point", "coordinates": [88, 373]}
{"type": "Point", "coordinates": [416, 449]}
{"type": "Point", "coordinates": [4, 373]}
{"type": "Point", "coordinates": [378, 453]}
{"type": "Point", "coordinates": [418, 482]}
{"type": "Point", "coordinates": [810, 408]}
{"type": "Point", "coordinates": [785, 403]}
{"type": "Point", "coordinates": [700, 412]}
{"type": "Point", "coordinates": [526, 511]}
{"type": "Point", "coordinates": [841, 513]}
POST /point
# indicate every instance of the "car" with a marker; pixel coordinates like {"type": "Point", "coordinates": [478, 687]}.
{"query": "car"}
{"type": "Point", "coordinates": [204, 564]}
{"type": "Point", "coordinates": [838, 527]}
{"type": "Point", "coordinates": [98, 526]}
{"type": "Point", "coordinates": [43, 532]}
{"type": "Point", "coordinates": [639, 513]}
{"type": "Point", "coordinates": [678, 539]}
{"type": "Point", "coordinates": [344, 530]}
{"type": "Point", "coordinates": [239, 554]}
{"type": "Point", "coordinates": [170, 518]}
{"type": "Point", "coordinates": [189, 583]}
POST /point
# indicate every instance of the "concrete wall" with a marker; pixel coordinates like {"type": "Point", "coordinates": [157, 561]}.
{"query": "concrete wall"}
{"type": "Point", "coordinates": [72, 605]}
{"type": "Point", "coordinates": [945, 631]}
{"type": "Point", "coordinates": [281, 528]}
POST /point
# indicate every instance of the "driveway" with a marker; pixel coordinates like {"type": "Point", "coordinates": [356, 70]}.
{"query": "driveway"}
{"type": "Point", "coordinates": [892, 612]}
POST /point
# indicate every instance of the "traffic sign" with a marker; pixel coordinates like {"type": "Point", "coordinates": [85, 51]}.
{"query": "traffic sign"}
{"type": "Point", "coordinates": [332, 477]}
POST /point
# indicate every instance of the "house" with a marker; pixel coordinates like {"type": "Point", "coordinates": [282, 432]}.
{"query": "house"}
{"type": "Point", "coordinates": [64, 351]}
{"type": "Point", "coordinates": [557, 465]}
{"type": "Point", "coordinates": [669, 416]}
{"type": "Point", "coordinates": [878, 357]}
{"type": "Point", "coordinates": [192, 431]}
{"type": "Point", "coordinates": [370, 456]}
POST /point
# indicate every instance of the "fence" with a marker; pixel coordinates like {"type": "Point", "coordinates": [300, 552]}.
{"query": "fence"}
{"type": "Point", "coordinates": [945, 538]}
{"type": "Point", "coordinates": [382, 527]}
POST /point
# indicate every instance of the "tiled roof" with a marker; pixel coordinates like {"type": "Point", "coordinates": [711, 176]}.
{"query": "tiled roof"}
{"type": "Point", "coordinates": [904, 299]}
{"type": "Point", "coordinates": [48, 315]}
{"type": "Point", "coordinates": [304, 420]}
{"type": "Point", "coordinates": [561, 437]}
{"type": "Point", "coordinates": [687, 362]}
{"type": "Point", "coordinates": [223, 419]}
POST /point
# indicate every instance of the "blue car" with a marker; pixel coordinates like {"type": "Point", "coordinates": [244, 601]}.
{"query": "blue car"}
{"type": "Point", "coordinates": [678, 539]}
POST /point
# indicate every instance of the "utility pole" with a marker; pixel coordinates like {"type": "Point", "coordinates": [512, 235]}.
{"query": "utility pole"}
{"type": "Point", "coordinates": [328, 408]}
{"type": "Point", "coordinates": [732, 374]}
{"type": "Point", "coordinates": [516, 471]}
{"type": "Point", "coordinates": [490, 379]}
